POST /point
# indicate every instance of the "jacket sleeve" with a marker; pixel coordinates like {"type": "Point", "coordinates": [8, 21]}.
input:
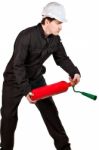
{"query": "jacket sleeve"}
{"type": "Point", "coordinates": [20, 54]}
{"type": "Point", "coordinates": [64, 61]}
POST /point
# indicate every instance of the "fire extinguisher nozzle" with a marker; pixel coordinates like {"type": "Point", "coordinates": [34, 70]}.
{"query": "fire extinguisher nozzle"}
{"type": "Point", "coordinates": [94, 97]}
{"type": "Point", "coordinates": [91, 96]}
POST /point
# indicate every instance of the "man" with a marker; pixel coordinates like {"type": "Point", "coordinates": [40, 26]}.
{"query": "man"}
{"type": "Point", "coordinates": [25, 71]}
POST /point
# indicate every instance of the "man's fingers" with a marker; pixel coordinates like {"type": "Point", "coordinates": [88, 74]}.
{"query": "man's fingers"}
{"type": "Point", "coordinates": [31, 94]}
{"type": "Point", "coordinates": [31, 101]}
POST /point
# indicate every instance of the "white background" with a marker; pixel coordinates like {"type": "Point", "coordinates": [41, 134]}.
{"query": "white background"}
{"type": "Point", "coordinates": [80, 36]}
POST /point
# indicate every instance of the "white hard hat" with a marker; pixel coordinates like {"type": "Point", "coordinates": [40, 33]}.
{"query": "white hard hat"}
{"type": "Point", "coordinates": [54, 10]}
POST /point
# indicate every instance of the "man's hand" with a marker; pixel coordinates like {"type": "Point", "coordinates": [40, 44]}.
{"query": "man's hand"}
{"type": "Point", "coordinates": [75, 80]}
{"type": "Point", "coordinates": [29, 97]}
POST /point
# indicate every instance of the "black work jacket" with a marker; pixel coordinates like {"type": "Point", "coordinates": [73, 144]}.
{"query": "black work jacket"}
{"type": "Point", "coordinates": [31, 49]}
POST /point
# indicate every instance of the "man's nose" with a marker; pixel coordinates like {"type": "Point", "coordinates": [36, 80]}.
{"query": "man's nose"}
{"type": "Point", "coordinates": [60, 27]}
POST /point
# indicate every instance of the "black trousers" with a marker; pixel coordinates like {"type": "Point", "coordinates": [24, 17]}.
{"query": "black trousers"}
{"type": "Point", "coordinates": [11, 98]}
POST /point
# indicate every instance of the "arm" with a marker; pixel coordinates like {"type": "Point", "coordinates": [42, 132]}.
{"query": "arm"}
{"type": "Point", "coordinates": [20, 54]}
{"type": "Point", "coordinates": [65, 62]}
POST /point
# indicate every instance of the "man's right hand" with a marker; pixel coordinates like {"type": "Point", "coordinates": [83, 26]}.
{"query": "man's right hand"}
{"type": "Point", "coordinates": [29, 97]}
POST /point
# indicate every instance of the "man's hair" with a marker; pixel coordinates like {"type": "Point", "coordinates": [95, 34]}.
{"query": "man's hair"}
{"type": "Point", "coordinates": [48, 18]}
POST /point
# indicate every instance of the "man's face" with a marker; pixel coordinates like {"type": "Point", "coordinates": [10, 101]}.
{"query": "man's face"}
{"type": "Point", "coordinates": [54, 27]}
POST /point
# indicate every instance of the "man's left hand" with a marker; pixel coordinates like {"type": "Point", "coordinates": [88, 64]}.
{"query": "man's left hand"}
{"type": "Point", "coordinates": [75, 80]}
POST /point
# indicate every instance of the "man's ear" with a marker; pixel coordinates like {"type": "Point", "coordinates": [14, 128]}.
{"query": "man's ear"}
{"type": "Point", "coordinates": [47, 21]}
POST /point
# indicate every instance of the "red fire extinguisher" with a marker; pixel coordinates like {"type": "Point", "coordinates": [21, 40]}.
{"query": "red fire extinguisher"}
{"type": "Point", "coordinates": [56, 88]}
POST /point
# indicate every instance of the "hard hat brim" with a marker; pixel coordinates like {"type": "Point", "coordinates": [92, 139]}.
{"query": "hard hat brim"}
{"type": "Point", "coordinates": [61, 20]}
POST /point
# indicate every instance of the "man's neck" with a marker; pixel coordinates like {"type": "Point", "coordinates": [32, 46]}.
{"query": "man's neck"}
{"type": "Point", "coordinates": [46, 32]}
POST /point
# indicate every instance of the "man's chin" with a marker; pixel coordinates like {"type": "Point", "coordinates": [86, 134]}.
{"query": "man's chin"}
{"type": "Point", "coordinates": [56, 33]}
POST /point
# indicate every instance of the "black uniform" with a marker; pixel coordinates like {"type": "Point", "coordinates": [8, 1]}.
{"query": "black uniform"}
{"type": "Point", "coordinates": [23, 73]}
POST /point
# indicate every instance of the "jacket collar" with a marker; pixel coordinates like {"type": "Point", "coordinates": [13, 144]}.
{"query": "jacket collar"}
{"type": "Point", "coordinates": [42, 31]}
